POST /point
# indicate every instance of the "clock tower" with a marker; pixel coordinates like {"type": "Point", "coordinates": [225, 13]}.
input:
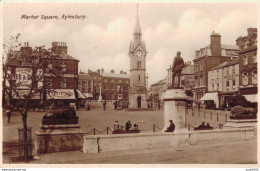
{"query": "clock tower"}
{"type": "Point", "coordinates": [137, 55]}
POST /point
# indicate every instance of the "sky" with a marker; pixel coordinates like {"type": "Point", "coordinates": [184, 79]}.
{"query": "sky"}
{"type": "Point", "coordinates": [102, 39]}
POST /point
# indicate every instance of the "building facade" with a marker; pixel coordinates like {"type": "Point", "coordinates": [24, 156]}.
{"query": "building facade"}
{"type": "Point", "coordinates": [114, 84]}
{"type": "Point", "coordinates": [205, 59]}
{"type": "Point", "coordinates": [138, 77]}
{"type": "Point", "coordinates": [248, 64]}
{"type": "Point", "coordinates": [157, 89]}
{"type": "Point", "coordinates": [86, 84]}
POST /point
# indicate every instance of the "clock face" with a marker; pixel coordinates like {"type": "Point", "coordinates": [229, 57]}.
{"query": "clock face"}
{"type": "Point", "coordinates": [139, 53]}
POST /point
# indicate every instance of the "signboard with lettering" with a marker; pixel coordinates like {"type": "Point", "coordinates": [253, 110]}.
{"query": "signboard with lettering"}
{"type": "Point", "coordinates": [61, 94]}
{"type": "Point", "coordinates": [24, 93]}
{"type": "Point", "coordinates": [23, 77]}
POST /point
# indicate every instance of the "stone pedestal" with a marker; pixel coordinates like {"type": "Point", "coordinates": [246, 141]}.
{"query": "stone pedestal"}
{"type": "Point", "coordinates": [57, 138]}
{"type": "Point", "coordinates": [245, 123]}
{"type": "Point", "coordinates": [175, 107]}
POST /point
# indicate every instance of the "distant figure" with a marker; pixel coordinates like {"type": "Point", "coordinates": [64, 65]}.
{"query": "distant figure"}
{"type": "Point", "coordinates": [88, 106]}
{"type": "Point", "coordinates": [135, 127]}
{"type": "Point", "coordinates": [104, 104]}
{"type": "Point", "coordinates": [159, 105]}
{"type": "Point", "coordinates": [208, 126]}
{"type": "Point", "coordinates": [171, 128]}
{"type": "Point", "coordinates": [202, 125]}
{"type": "Point", "coordinates": [116, 126]}
{"type": "Point", "coordinates": [177, 66]}
{"type": "Point", "coordinates": [199, 106]}
{"type": "Point", "coordinates": [9, 114]}
{"type": "Point", "coordinates": [128, 125]}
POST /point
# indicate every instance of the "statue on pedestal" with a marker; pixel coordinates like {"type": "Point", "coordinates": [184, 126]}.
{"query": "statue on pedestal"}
{"type": "Point", "coordinates": [177, 66]}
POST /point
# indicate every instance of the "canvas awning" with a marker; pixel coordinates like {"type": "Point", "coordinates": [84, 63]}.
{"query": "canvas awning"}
{"type": "Point", "coordinates": [251, 98]}
{"type": "Point", "coordinates": [88, 95]}
{"type": "Point", "coordinates": [211, 96]}
{"type": "Point", "coordinates": [80, 95]}
{"type": "Point", "coordinates": [62, 94]}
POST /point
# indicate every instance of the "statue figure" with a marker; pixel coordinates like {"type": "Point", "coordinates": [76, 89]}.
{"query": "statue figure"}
{"type": "Point", "coordinates": [177, 67]}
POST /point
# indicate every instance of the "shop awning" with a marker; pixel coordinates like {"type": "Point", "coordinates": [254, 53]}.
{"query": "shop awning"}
{"type": "Point", "coordinates": [88, 95]}
{"type": "Point", "coordinates": [80, 95]}
{"type": "Point", "coordinates": [211, 96]}
{"type": "Point", "coordinates": [251, 98]}
{"type": "Point", "coordinates": [62, 94]}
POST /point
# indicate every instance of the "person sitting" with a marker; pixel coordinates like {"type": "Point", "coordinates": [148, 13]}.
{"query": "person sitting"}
{"type": "Point", "coordinates": [171, 128]}
{"type": "Point", "coordinates": [128, 125]}
{"type": "Point", "coordinates": [135, 127]}
{"type": "Point", "coordinates": [202, 125]}
{"type": "Point", "coordinates": [116, 126]}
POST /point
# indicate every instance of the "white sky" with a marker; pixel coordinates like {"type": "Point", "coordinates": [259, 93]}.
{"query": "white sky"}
{"type": "Point", "coordinates": [103, 39]}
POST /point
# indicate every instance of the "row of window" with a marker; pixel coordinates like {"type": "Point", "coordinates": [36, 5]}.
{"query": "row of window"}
{"type": "Point", "coordinates": [245, 59]}
{"type": "Point", "coordinates": [245, 78]}
{"type": "Point", "coordinates": [112, 81]}
{"type": "Point", "coordinates": [112, 87]}
{"type": "Point", "coordinates": [197, 67]}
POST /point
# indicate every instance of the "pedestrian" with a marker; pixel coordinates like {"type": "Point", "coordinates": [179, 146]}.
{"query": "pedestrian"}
{"type": "Point", "coordinates": [171, 127]}
{"type": "Point", "coordinates": [199, 106]}
{"type": "Point", "coordinates": [9, 114]}
{"type": "Point", "coordinates": [159, 105]}
{"type": "Point", "coordinates": [104, 104]}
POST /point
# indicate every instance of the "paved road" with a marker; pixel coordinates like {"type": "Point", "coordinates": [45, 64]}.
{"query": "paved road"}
{"type": "Point", "coordinates": [236, 152]}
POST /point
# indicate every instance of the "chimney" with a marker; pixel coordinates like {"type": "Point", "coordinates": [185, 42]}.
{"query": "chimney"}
{"type": "Point", "coordinates": [238, 41]}
{"type": "Point", "coordinates": [215, 44]}
{"type": "Point", "coordinates": [125, 73]}
{"type": "Point", "coordinates": [98, 71]}
{"type": "Point", "coordinates": [59, 47]}
{"type": "Point", "coordinates": [102, 70]}
{"type": "Point", "coordinates": [89, 70]}
{"type": "Point", "coordinates": [112, 71]}
{"type": "Point", "coordinates": [121, 72]}
{"type": "Point", "coordinates": [26, 50]}
{"type": "Point", "coordinates": [251, 31]}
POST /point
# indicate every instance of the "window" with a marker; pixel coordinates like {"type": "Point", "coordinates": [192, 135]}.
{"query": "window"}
{"type": "Point", "coordinates": [105, 80]}
{"type": "Point", "coordinates": [49, 68]}
{"type": "Point", "coordinates": [196, 68]}
{"type": "Point", "coordinates": [201, 80]}
{"type": "Point", "coordinates": [63, 68]}
{"type": "Point", "coordinates": [234, 83]}
{"type": "Point", "coordinates": [63, 83]}
{"type": "Point", "coordinates": [112, 87]}
{"type": "Point", "coordinates": [233, 69]}
{"type": "Point", "coordinates": [48, 82]}
{"type": "Point", "coordinates": [119, 81]}
{"type": "Point", "coordinates": [245, 62]}
{"type": "Point", "coordinates": [255, 58]}
{"type": "Point", "coordinates": [201, 66]}
{"type": "Point", "coordinates": [112, 81]}
{"type": "Point", "coordinates": [227, 83]}
{"type": "Point", "coordinates": [212, 86]}
{"type": "Point", "coordinates": [139, 77]}
{"type": "Point", "coordinates": [245, 78]}
{"type": "Point", "coordinates": [227, 71]}
{"type": "Point", "coordinates": [217, 86]}
{"type": "Point", "coordinates": [254, 78]}
{"type": "Point", "coordinates": [105, 87]}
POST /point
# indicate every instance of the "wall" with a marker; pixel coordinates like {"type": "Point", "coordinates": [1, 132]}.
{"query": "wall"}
{"type": "Point", "coordinates": [102, 143]}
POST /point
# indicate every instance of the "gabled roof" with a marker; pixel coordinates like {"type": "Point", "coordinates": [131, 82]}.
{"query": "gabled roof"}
{"type": "Point", "coordinates": [188, 70]}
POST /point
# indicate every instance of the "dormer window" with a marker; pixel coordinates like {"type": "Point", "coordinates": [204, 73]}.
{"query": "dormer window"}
{"type": "Point", "coordinates": [245, 78]}
{"type": "Point", "coordinates": [254, 78]}
{"type": "Point", "coordinates": [255, 58]}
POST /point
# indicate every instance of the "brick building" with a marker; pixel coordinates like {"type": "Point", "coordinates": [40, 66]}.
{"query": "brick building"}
{"type": "Point", "coordinates": [157, 89]}
{"type": "Point", "coordinates": [248, 64]}
{"type": "Point", "coordinates": [113, 84]}
{"type": "Point", "coordinates": [205, 59]}
{"type": "Point", "coordinates": [96, 77]}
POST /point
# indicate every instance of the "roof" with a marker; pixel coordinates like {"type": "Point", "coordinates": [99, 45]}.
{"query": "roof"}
{"type": "Point", "coordinates": [189, 69]}
{"type": "Point", "coordinates": [163, 81]}
{"type": "Point", "coordinates": [206, 51]}
{"type": "Point", "coordinates": [232, 62]}
{"type": "Point", "coordinates": [84, 76]}
{"type": "Point", "coordinates": [137, 28]}
{"type": "Point", "coordinates": [219, 66]}
{"type": "Point", "coordinates": [115, 75]}
{"type": "Point", "coordinates": [71, 58]}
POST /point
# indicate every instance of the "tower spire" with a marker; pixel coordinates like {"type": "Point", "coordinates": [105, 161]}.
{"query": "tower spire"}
{"type": "Point", "coordinates": [137, 29]}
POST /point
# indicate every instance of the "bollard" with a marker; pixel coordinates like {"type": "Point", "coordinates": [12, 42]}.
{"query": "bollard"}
{"type": "Point", "coordinates": [107, 130]}
{"type": "Point", "coordinates": [94, 131]}
{"type": "Point", "coordinates": [153, 127]}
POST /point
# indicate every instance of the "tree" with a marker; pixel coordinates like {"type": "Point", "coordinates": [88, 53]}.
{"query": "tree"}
{"type": "Point", "coordinates": [23, 77]}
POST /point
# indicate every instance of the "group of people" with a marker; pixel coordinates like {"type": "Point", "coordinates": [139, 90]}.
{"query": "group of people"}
{"type": "Point", "coordinates": [128, 126]}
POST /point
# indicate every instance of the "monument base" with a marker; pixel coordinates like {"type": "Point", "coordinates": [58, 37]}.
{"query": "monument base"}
{"type": "Point", "coordinates": [58, 138]}
{"type": "Point", "coordinates": [245, 123]}
{"type": "Point", "coordinates": [175, 107]}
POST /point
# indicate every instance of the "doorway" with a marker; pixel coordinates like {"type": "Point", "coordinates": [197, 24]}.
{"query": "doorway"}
{"type": "Point", "coordinates": [139, 100]}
